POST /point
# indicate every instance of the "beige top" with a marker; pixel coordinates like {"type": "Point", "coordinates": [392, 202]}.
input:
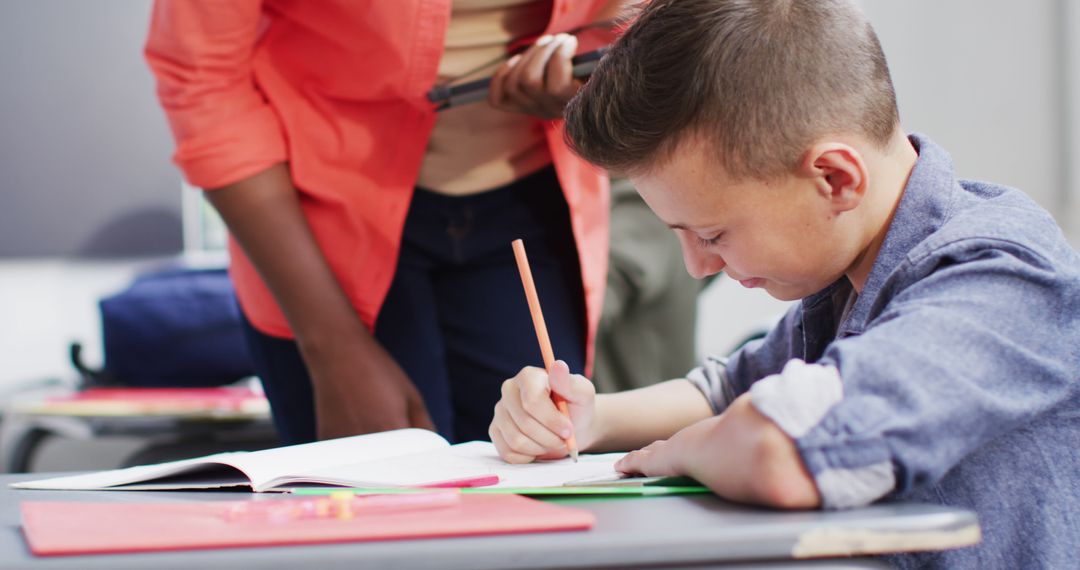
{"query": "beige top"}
{"type": "Point", "coordinates": [475, 147]}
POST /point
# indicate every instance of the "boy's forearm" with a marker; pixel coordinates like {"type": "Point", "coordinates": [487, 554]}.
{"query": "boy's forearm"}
{"type": "Point", "coordinates": [635, 418]}
{"type": "Point", "coordinates": [740, 455]}
{"type": "Point", "coordinates": [746, 457]}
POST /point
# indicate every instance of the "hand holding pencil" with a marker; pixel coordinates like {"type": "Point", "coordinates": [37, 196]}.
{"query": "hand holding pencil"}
{"type": "Point", "coordinates": [528, 425]}
{"type": "Point", "coordinates": [543, 413]}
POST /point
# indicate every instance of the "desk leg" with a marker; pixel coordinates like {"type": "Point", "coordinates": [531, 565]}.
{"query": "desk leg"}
{"type": "Point", "coordinates": [22, 455]}
{"type": "Point", "coordinates": [19, 440]}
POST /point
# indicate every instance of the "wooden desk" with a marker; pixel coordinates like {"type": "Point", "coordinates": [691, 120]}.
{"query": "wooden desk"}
{"type": "Point", "coordinates": [659, 532]}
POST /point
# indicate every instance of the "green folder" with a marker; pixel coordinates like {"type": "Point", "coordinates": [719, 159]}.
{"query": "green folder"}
{"type": "Point", "coordinates": [625, 490]}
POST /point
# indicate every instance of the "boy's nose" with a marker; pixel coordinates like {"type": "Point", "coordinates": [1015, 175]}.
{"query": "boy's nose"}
{"type": "Point", "coordinates": [701, 264]}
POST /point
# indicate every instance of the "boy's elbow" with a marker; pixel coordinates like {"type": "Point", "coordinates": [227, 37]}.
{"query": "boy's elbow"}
{"type": "Point", "coordinates": [782, 481]}
{"type": "Point", "coordinates": [791, 495]}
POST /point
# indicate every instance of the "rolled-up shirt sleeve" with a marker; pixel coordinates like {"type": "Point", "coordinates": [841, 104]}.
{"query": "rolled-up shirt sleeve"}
{"type": "Point", "coordinates": [711, 379]}
{"type": "Point", "coordinates": [200, 54]}
{"type": "Point", "coordinates": [797, 399]}
{"type": "Point", "coordinates": [722, 379]}
{"type": "Point", "coordinates": [948, 366]}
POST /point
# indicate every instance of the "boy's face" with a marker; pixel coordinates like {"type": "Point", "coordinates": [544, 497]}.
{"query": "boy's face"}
{"type": "Point", "coordinates": [784, 236]}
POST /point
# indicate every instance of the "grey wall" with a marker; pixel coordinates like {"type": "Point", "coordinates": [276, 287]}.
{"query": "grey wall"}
{"type": "Point", "coordinates": [84, 148]}
{"type": "Point", "coordinates": [990, 80]}
{"type": "Point", "coordinates": [1069, 29]}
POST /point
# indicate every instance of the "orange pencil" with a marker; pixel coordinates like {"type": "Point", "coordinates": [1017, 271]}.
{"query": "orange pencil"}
{"type": "Point", "coordinates": [541, 333]}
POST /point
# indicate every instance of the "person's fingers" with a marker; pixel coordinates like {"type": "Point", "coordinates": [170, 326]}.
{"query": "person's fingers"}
{"type": "Point", "coordinates": [554, 454]}
{"type": "Point", "coordinates": [528, 58]}
{"type": "Point", "coordinates": [633, 463]}
{"type": "Point", "coordinates": [508, 454]}
{"type": "Point", "coordinates": [649, 461]}
{"type": "Point", "coordinates": [524, 87]}
{"type": "Point", "coordinates": [574, 388]}
{"type": "Point", "coordinates": [417, 412]}
{"type": "Point", "coordinates": [538, 81]}
{"type": "Point", "coordinates": [559, 72]}
{"type": "Point", "coordinates": [521, 432]}
{"type": "Point", "coordinates": [515, 437]}
{"type": "Point", "coordinates": [548, 440]}
{"type": "Point", "coordinates": [497, 88]}
{"type": "Point", "coordinates": [420, 418]}
{"type": "Point", "coordinates": [511, 83]}
{"type": "Point", "coordinates": [535, 398]}
{"type": "Point", "coordinates": [530, 77]}
{"type": "Point", "coordinates": [518, 442]}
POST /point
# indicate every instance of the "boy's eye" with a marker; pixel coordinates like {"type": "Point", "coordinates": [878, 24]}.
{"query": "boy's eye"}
{"type": "Point", "coordinates": [710, 241]}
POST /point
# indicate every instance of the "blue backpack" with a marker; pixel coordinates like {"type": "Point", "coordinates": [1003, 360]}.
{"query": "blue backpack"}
{"type": "Point", "coordinates": [177, 328]}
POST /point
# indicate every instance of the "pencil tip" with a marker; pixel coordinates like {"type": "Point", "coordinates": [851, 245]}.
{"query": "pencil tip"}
{"type": "Point", "coordinates": [573, 455]}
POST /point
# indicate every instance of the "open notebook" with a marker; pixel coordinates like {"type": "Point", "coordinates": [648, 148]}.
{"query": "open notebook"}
{"type": "Point", "coordinates": [399, 458]}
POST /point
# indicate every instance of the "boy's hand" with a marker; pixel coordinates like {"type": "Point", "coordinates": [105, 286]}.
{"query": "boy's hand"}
{"type": "Point", "coordinates": [539, 81]}
{"type": "Point", "coordinates": [670, 457]}
{"type": "Point", "coordinates": [741, 455]}
{"type": "Point", "coordinates": [528, 426]}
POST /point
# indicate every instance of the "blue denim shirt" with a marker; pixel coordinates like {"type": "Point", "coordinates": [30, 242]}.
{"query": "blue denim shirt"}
{"type": "Point", "coordinates": [959, 364]}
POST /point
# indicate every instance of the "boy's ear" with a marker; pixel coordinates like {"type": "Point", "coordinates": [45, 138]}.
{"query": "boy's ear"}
{"type": "Point", "coordinates": [838, 172]}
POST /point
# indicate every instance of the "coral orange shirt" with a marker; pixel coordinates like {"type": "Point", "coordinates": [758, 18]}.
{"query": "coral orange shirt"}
{"type": "Point", "coordinates": [338, 89]}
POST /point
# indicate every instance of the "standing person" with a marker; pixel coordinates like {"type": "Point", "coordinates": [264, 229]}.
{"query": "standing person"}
{"type": "Point", "coordinates": [932, 354]}
{"type": "Point", "coordinates": [353, 206]}
{"type": "Point", "coordinates": [649, 320]}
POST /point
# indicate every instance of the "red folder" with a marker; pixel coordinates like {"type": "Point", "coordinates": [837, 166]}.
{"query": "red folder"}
{"type": "Point", "coordinates": [66, 528]}
{"type": "Point", "coordinates": [222, 400]}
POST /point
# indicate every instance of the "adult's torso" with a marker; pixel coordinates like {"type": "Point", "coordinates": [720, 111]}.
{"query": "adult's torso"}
{"type": "Point", "coordinates": [476, 147]}
{"type": "Point", "coordinates": [348, 80]}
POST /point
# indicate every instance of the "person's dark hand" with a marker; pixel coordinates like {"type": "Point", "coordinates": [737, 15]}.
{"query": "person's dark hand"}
{"type": "Point", "coordinates": [359, 388]}
{"type": "Point", "coordinates": [539, 81]}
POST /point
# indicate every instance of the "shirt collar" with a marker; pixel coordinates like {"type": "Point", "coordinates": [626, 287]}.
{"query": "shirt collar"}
{"type": "Point", "coordinates": [923, 208]}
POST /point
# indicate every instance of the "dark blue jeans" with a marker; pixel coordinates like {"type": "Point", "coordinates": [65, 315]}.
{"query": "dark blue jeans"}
{"type": "Point", "coordinates": [455, 318]}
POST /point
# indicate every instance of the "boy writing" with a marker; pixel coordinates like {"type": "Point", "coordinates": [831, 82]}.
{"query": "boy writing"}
{"type": "Point", "coordinates": [934, 353]}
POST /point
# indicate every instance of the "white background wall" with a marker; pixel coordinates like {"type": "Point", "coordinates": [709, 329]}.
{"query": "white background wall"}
{"type": "Point", "coordinates": [985, 79]}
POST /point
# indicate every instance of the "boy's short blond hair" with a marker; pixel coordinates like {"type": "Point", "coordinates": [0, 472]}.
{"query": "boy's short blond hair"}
{"type": "Point", "coordinates": [760, 80]}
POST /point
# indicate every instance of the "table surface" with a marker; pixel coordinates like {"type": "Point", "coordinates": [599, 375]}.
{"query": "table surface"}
{"type": "Point", "coordinates": [655, 531]}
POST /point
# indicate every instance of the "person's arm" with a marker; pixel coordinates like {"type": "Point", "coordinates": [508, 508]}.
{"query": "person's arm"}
{"type": "Point", "coordinates": [912, 403]}
{"type": "Point", "coordinates": [634, 418]}
{"type": "Point", "coordinates": [358, 387]}
{"type": "Point", "coordinates": [229, 140]}
{"type": "Point", "coordinates": [740, 455]}
{"type": "Point", "coordinates": [528, 426]}
{"type": "Point", "coordinates": [200, 55]}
